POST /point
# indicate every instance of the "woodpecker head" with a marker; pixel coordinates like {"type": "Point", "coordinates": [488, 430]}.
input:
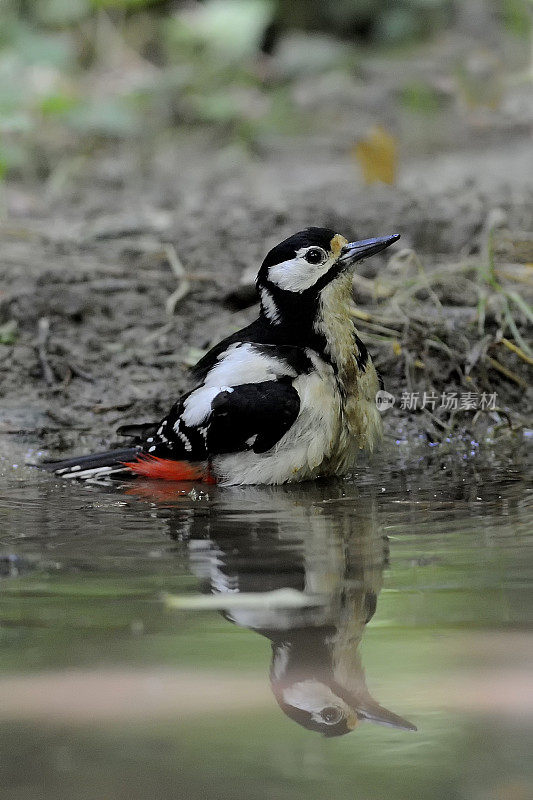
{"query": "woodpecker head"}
{"type": "Point", "coordinates": [297, 270]}
{"type": "Point", "coordinates": [328, 709]}
{"type": "Point", "coordinates": [319, 682]}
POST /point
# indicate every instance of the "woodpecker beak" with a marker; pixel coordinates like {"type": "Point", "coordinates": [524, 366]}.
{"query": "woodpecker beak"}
{"type": "Point", "coordinates": [355, 251]}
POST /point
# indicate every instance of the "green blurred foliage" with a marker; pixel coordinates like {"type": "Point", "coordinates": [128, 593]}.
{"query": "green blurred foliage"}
{"type": "Point", "coordinates": [59, 13]}
{"type": "Point", "coordinates": [76, 72]}
{"type": "Point", "coordinates": [516, 16]}
{"type": "Point", "coordinates": [230, 28]}
{"type": "Point", "coordinates": [421, 98]}
{"type": "Point", "coordinates": [372, 20]}
{"type": "Point", "coordinates": [8, 331]}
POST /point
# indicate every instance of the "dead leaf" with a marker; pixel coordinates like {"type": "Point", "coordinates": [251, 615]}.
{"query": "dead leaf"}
{"type": "Point", "coordinates": [377, 156]}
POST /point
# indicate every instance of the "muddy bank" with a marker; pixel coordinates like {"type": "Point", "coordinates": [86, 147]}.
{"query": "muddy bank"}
{"type": "Point", "coordinates": [94, 335]}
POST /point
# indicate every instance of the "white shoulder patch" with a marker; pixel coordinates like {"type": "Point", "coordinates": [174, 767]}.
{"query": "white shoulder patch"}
{"type": "Point", "coordinates": [197, 407]}
{"type": "Point", "coordinates": [243, 363]}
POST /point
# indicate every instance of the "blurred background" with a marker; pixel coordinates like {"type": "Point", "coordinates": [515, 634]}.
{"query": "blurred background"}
{"type": "Point", "coordinates": [80, 75]}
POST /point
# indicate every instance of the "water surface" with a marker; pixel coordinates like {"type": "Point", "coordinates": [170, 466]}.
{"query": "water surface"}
{"type": "Point", "coordinates": [267, 642]}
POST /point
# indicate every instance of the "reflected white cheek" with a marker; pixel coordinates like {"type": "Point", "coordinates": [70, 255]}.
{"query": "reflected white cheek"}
{"type": "Point", "coordinates": [309, 695]}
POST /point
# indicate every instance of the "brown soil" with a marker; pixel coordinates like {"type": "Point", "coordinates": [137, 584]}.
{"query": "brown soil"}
{"type": "Point", "coordinates": [91, 255]}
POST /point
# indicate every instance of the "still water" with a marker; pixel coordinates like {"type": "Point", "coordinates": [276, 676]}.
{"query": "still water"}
{"type": "Point", "coordinates": [368, 638]}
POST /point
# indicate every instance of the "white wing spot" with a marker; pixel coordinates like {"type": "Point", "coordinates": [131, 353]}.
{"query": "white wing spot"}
{"type": "Point", "coordinates": [185, 441]}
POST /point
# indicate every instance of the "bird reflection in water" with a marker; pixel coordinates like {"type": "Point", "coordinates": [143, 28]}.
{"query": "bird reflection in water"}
{"type": "Point", "coordinates": [302, 566]}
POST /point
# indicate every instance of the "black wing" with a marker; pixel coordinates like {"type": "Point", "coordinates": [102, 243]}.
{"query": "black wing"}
{"type": "Point", "coordinates": [251, 416]}
{"type": "Point", "coordinates": [256, 414]}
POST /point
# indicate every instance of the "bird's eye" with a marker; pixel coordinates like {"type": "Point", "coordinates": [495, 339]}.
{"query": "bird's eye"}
{"type": "Point", "coordinates": [315, 255]}
{"type": "Point", "coordinates": [331, 715]}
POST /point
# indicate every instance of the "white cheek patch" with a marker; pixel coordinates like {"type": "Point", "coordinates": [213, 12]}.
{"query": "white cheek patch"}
{"type": "Point", "coordinates": [297, 275]}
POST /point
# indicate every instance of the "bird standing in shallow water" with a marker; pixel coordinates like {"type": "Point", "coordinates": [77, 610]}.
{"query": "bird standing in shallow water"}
{"type": "Point", "coordinates": [289, 398]}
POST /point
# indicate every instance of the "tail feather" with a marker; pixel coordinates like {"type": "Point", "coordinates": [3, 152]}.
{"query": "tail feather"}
{"type": "Point", "coordinates": [110, 461]}
{"type": "Point", "coordinates": [128, 461]}
{"type": "Point", "coordinates": [166, 469]}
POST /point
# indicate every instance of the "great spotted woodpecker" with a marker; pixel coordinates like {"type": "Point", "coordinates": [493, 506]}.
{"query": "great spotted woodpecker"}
{"type": "Point", "coordinates": [288, 398]}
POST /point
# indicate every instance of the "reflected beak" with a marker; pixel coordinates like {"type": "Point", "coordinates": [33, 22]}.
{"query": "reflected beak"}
{"type": "Point", "coordinates": [373, 712]}
{"type": "Point", "coordinates": [355, 251]}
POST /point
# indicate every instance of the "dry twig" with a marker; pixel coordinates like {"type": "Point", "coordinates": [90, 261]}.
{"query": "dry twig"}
{"type": "Point", "coordinates": [515, 349]}
{"type": "Point", "coordinates": [512, 376]}
{"type": "Point", "coordinates": [42, 341]}
{"type": "Point", "coordinates": [184, 284]}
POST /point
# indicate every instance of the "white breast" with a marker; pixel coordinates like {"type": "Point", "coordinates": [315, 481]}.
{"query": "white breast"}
{"type": "Point", "coordinates": [332, 426]}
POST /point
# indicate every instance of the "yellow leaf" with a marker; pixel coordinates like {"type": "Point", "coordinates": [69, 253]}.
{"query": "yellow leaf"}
{"type": "Point", "coordinates": [396, 347]}
{"type": "Point", "coordinates": [377, 156]}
